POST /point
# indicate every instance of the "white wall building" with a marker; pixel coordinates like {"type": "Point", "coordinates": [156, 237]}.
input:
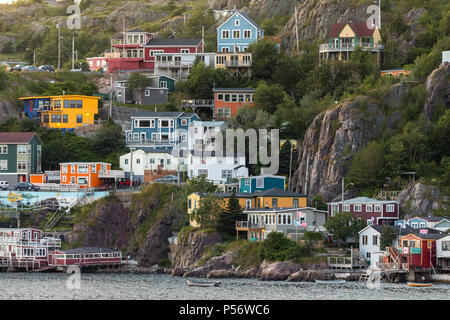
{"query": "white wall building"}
{"type": "Point", "coordinates": [202, 134]}
{"type": "Point", "coordinates": [445, 56]}
{"type": "Point", "coordinates": [443, 252]}
{"type": "Point", "coordinates": [150, 159]}
{"type": "Point", "coordinates": [218, 169]}
{"type": "Point", "coordinates": [179, 65]}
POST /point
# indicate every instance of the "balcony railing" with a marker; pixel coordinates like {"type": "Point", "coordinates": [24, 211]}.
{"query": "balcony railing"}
{"type": "Point", "coordinates": [115, 174]}
{"type": "Point", "coordinates": [238, 64]}
{"type": "Point", "coordinates": [197, 103]}
{"type": "Point", "coordinates": [348, 46]}
{"type": "Point", "coordinates": [51, 242]}
{"type": "Point", "coordinates": [249, 225]}
{"type": "Point", "coordinates": [150, 141]}
{"type": "Point", "coordinates": [173, 64]}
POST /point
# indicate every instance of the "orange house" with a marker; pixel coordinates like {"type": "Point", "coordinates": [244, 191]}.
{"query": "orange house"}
{"type": "Point", "coordinates": [228, 101]}
{"type": "Point", "coordinates": [87, 174]}
{"type": "Point", "coordinates": [38, 178]}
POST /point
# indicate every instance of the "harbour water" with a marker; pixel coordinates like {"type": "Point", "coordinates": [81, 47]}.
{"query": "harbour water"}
{"type": "Point", "coordinates": [107, 286]}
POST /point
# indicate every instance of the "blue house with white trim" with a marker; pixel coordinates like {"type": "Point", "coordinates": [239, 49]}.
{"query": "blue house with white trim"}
{"type": "Point", "coordinates": [261, 183]}
{"type": "Point", "coordinates": [160, 129]}
{"type": "Point", "coordinates": [237, 33]}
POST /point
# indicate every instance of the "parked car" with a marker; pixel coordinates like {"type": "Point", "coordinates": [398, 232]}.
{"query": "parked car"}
{"type": "Point", "coordinates": [31, 69]}
{"type": "Point", "coordinates": [27, 186]}
{"type": "Point", "coordinates": [47, 67]}
{"type": "Point", "coordinates": [4, 185]}
{"type": "Point", "coordinates": [169, 178]}
{"type": "Point", "coordinates": [75, 70]}
{"type": "Point", "coordinates": [125, 183]}
{"type": "Point", "coordinates": [17, 68]}
{"type": "Point", "coordinates": [105, 187]}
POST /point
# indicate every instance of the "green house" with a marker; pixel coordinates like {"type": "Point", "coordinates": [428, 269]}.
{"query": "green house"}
{"type": "Point", "coordinates": [20, 155]}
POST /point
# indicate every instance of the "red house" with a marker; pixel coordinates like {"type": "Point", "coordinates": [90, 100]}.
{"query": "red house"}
{"type": "Point", "coordinates": [228, 101]}
{"type": "Point", "coordinates": [84, 257]}
{"type": "Point", "coordinates": [135, 50]}
{"type": "Point", "coordinates": [374, 212]}
{"type": "Point", "coordinates": [417, 249]}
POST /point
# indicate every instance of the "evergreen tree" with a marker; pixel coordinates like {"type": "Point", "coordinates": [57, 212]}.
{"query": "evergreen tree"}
{"type": "Point", "coordinates": [285, 158]}
{"type": "Point", "coordinates": [388, 234]}
{"type": "Point", "coordinates": [226, 221]}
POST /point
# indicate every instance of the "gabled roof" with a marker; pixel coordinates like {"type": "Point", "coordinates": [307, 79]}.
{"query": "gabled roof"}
{"type": "Point", "coordinates": [359, 28]}
{"type": "Point", "coordinates": [234, 90]}
{"type": "Point", "coordinates": [379, 229]}
{"type": "Point", "coordinates": [276, 192]}
{"type": "Point", "coordinates": [17, 137]}
{"type": "Point", "coordinates": [173, 42]}
{"type": "Point", "coordinates": [244, 16]}
{"type": "Point", "coordinates": [174, 114]}
{"type": "Point", "coordinates": [362, 200]}
{"type": "Point", "coordinates": [265, 176]}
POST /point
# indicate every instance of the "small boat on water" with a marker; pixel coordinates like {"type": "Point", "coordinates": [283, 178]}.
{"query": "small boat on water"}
{"type": "Point", "coordinates": [418, 284]}
{"type": "Point", "coordinates": [193, 283]}
{"type": "Point", "coordinates": [330, 281]}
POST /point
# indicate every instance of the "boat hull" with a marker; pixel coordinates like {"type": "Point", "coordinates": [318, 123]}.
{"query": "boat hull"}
{"type": "Point", "coordinates": [415, 284]}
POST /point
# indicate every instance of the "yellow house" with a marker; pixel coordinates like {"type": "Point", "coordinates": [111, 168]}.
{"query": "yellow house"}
{"type": "Point", "coordinates": [235, 62]}
{"type": "Point", "coordinates": [271, 198]}
{"type": "Point", "coordinates": [65, 112]}
{"type": "Point", "coordinates": [345, 37]}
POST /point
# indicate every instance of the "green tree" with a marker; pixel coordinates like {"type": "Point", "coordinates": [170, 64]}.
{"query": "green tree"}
{"type": "Point", "coordinates": [109, 139]}
{"type": "Point", "coordinates": [138, 82]}
{"type": "Point", "coordinates": [343, 226]}
{"type": "Point", "coordinates": [388, 234]}
{"type": "Point", "coordinates": [226, 221]}
{"type": "Point", "coordinates": [209, 208]}
{"type": "Point", "coordinates": [268, 96]}
{"type": "Point", "coordinates": [265, 57]}
{"type": "Point", "coordinates": [285, 158]}
{"type": "Point", "coordinates": [276, 247]}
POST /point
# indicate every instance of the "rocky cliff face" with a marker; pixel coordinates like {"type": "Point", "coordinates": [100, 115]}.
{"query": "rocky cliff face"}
{"type": "Point", "coordinates": [438, 89]}
{"type": "Point", "coordinates": [420, 199]}
{"type": "Point", "coordinates": [334, 137]}
{"type": "Point", "coordinates": [191, 248]}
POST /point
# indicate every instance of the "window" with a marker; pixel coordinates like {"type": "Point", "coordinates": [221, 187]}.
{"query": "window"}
{"type": "Point", "coordinates": [236, 34]}
{"type": "Point", "coordinates": [428, 244]}
{"type": "Point", "coordinates": [21, 148]}
{"type": "Point", "coordinates": [82, 169]}
{"type": "Point", "coordinates": [82, 180]}
{"type": "Point", "coordinates": [357, 207]}
{"type": "Point", "coordinates": [64, 178]}
{"type": "Point", "coordinates": [79, 104]}
{"type": "Point", "coordinates": [220, 96]}
{"type": "Point", "coordinates": [259, 183]}
{"type": "Point", "coordinates": [4, 149]}
{"type": "Point", "coordinates": [66, 103]}
{"type": "Point", "coordinates": [226, 174]}
{"type": "Point", "coordinates": [368, 254]}
{"type": "Point", "coordinates": [237, 22]}
{"type": "Point", "coordinates": [72, 168]}
{"type": "Point", "coordinates": [377, 208]}
{"type": "Point", "coordinates": [65, 118]}
{"type": "Point", "coordinates": [274, 203]}
{"type": "Point", "coordinates": [147, 93]}
{"type": "Point", "coordinates": [414, 225]}
{"type": "Point", "coordinates": [422, 224]}
{"type": "Point", "coordinates": [3, 164]}
{"type": "Point", "coordinates": [248, 203]}
{"type": "Point", "coordinates": [225, 49]}
{"type": "Point", "coordinates": [164, 123]}
{"type": "Point", "coordinates": [364, 240]}
{"type": "Point", "coordinates": [138, 161]}
{"type": "Point", "coordinates": [152, 160]}
{"type": "Point", "coordinates": [184, 50]}
{"type": "Point", "coordinates": [57, 104]}
{"type": "Point", "coordinates": [203, 172]}
{"type": "Point", "coordinates": [225, 34]}
{"type": "Point", "coordinates": [183, 122]}
{"type": "Point", "coordinates": [79, 118]}
{"type": "Point", "coordinates": [163, 84]}
{"type": "Point", "coordinates": [94, 168]}
{"type": "Point", "coordinates": [375, 240]}
{"type": "Point", "coordinates": [21, 165]}
{"type": "Point", "coordinates": [152, 52]}
{"type": "Point", "coordinates": [247, 182]}
{"type": "Point", "coordinates": [445, 245]}
{"type": "Point", "coordinates": [346, 208]}
{"type": "Point", "coordinates": [390, 208]}
{"type": "Point", "coordinates": [247, 34]}
{"type": "Point", "coordinates": [119, 93]}
{"type": "Point", "coordinates": [295, 203]}
{"type": "Point", "coordinates": [168, 161]}
{"type": "Point", "coordinates": [224, 112]}
{"type": "Point", "coordinates": [64, 169]}
{"type": "Point", "coordinates": [126, 161]}
{"type": "Point", "coordinates": [72, 180]}
{"type": "Point", "coordinates": [368, 208]}
{"type": "Point", "coordinates": [73, 104]}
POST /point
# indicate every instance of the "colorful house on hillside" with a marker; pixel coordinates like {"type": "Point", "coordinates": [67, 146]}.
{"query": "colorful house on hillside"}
{"type": "Point", "coordinates": [372, 211]}
{"type": "Point", "coordinates": [416, 249]}
{"type": "Point", "coordinates": [20, 156]}
{"type": "Point", "coordinates": [395, 73]}
{"type": "Point", "coordinates": [228, 101]}
{"type": "Point", "coordinates": [87, 175]}
{"type": "Point", "coordinates": [135, 50]}
{"type": "Point", "coordinates": [344, 38]}
{"type": "Point", "coordinates": [261, 183]}
{"type": "Point", "coordinates": [443, 253]}
{"type": "Point", "coordinates": [268, 199]}
{"type": "Point", "coordinates": [424, 222]}
{"type": "Point", "coordinates": [160, 129]}
{"type": "Point", "coordinates": [65, 112]}
{"type": "Point", "coordinates": [179, 65]}
{"type": "Point", "coordinates": [237, 32]}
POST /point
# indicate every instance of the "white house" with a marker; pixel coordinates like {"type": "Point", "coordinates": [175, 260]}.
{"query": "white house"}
{"type": "Point", "coordinates": [216, 168]}
{"type": "Point", "coordinates": [443, 225]}
{"type": "Point", "coordinates": [151, 159]}
{"type": "Point", "coordinates": [445, 56]}
{"type": "Point", "coordinates": [443, 252]}
{"type": "Point", "coordinates": [202, 134]}
{"type": "Point", "coordinates": [179, 65]}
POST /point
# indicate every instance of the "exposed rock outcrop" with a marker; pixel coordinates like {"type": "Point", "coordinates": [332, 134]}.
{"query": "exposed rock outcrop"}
{"type": "Point", "coordinates": [191, 249]}
{"type": "Point", "coordinates": [278, 270]}
{"type": "Point", "coordinates": [419, 199]}
{"type": "Point", "coordinates": [156, 246]}
{"type": "Point", "coordinates": [438, 89]}
{"type": "Point", "coordinates": [310, 275]}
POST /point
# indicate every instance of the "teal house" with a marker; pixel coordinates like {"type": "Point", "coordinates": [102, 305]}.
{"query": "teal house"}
{"type": "Point", "coordinates": [261, 183]}
{"type": "Point", "coordinates": [20, 155]}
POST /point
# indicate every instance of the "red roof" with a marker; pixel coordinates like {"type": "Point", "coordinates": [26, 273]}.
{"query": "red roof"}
{"type": "Point", "coordinates": [360, 29]}
{"type": "Point", "coordinates": [16, 137]}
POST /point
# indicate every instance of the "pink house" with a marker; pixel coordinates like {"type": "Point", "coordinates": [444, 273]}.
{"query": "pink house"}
{"type": "Point", "coordinates": [374, 212]}
{"type": "Point", "coordinates": [135, 50]}
{"type": "Point", "coordinates": [96, 63]}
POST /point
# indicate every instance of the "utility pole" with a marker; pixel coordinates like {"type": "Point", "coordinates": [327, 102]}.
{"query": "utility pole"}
{"type": "Point", "coordinates": [379, 14]}
{"type": "Point", "coordinates": [306, 175]}
{"type": "Point", "coordinates": [290, 168]}
{"type": "Point", "coordinates": [342, 200]}
{"type": "Point", "coordinates": [73, 51]}
{"type": "Point", "coordinates": [110, 96]}
{"type": "Point", "coordinates": [296, 27]}
{"type": "Point", "coordinates": [203, 39]}
{"type": "Point", "coordinates": [58, 25]}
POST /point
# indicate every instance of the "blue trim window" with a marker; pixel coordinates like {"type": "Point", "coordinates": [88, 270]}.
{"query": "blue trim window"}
{"type": "Point", "coordinates": [79, 104]}
{"type": "Point", "coordinates": [79, 118]}
{"type": "Point", "coordinates": [66, 103]}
